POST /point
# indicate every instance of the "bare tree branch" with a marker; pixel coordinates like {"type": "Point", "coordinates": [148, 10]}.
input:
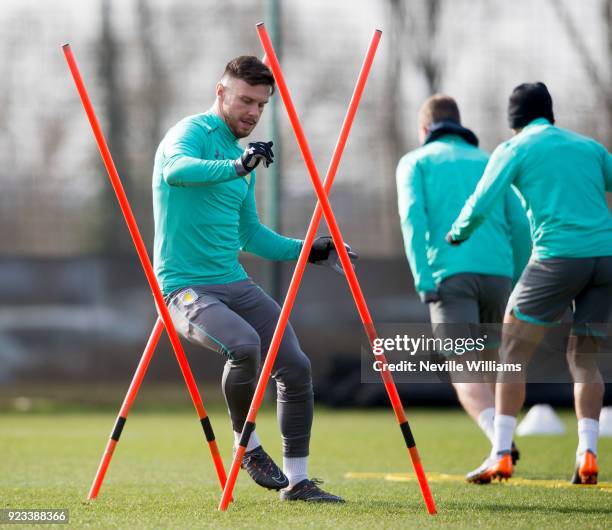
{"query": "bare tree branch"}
{"type": "Point", "coordinates": [589, 63]}
{"type": "Point", "coordinates": [607, 17]}
{"type": "Point", "coordinates": [423, 40]}
{"type": "Point", "coordinates": [409, 40]}
{"type": "Point", "coordinates": [394, 124]}
{"type": "Point", "coordinates": [601, 80]}
{"type": "Point", "coordinates": [156, 89]}
{"type": "Point", "coordinates": [112, 234]}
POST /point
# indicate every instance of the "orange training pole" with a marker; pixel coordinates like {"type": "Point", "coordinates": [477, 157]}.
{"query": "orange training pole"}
{"type": "Point", "coordinates": [298, 273]}
{"type": "Point", "coordinates": [347, 266]}
{"type": "Point", "coordinates": [249, 425]}
{"type": "Point", "coordinates": [125, 408]}
{"type": "Point", "coordinates": [157, 295]}
{"type": "Point", "coordinates": [270, 56]}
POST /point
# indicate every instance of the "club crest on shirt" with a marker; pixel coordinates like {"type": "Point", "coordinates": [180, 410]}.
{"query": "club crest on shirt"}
{"type": "Point", "coordinates": [219, 155]}
{"type": "Point", "coordinates": [189, 297]}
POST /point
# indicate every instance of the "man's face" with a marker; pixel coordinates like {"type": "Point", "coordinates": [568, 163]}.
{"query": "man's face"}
{"type": "Point", "coordinates": [241, 104]}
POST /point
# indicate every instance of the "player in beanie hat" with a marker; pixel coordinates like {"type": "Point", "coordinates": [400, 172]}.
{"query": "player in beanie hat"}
{"type": "Point", "coordinates": [563, 178]}
{"type": "Point", "coordinates": [527, 102]}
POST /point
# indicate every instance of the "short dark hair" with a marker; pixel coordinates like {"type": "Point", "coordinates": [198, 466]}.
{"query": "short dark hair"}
{"type": "Point", "coordinates": [439, 108]}
{"type": "Point", "coordinates": [251, 70]}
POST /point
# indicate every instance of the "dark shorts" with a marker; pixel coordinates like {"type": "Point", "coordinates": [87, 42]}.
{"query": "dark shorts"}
{"type": "Point", "coordinates": [471, 298]}
{"type": "Point", "coordinates": [547, 288]}
{"type": "Point", "coordinates": [471, 306]}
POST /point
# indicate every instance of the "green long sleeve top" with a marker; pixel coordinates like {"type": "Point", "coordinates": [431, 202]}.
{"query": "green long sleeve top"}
{"type": "Point", "coordinates": [204, 212]}
{"type": "Point", "coordinates": [563, 178]}
{"type": "Point", "coordinates": [433, 183]}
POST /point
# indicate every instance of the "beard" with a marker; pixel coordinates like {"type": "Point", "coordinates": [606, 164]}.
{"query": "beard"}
{"type": "Point", "coordinates": [239, 128]}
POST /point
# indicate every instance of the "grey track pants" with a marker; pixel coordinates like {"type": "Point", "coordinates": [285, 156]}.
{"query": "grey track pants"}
{"type": "Point", "coordinates": [238, 320]}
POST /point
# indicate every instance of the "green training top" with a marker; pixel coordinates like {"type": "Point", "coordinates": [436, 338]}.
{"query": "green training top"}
{"type": "Point", "coordinates": [563, 178]}
{"type": "Point", "coordinates": [204, 212]}
{"type": "Point", "coordinates": [433, 183]}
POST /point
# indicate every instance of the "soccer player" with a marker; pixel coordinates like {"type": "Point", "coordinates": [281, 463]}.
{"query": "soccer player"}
{"type": "Point", "coordinates": [563, 178]}
{"type": "Point", "coordinates": [205, 214]}
{"type": "Point", "coordinates": [463, 286]}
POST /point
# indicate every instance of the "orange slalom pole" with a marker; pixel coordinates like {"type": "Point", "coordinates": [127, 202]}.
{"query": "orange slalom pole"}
{"type": "Point", "coordinates": [125, 408]}
{"type": "Point", "coordinates": [300, 267]}
{"type": "Point", "coordinates": [148, 270]}
{"type": "Point", "coordinates": [354, 286]}
{"type": "Point", "coordinates": [389, 385]}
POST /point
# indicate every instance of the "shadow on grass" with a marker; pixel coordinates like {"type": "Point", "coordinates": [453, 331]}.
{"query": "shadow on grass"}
{"type": "Point", "coordinates": [543, 508]}
{"type": "Point", "coordinates": [351, 506]}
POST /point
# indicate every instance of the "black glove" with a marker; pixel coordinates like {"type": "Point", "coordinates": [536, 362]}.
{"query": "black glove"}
{"type": "Point", "coordinates": [453, 242]}
{"type": "Point", "coordinates": [323, 252]}
{"type": "Point", "coordinates": [254, 153]}
{"type": "Point", "coordinates": [429, 297]}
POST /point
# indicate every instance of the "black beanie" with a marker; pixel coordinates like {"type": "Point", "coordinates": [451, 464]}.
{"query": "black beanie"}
{"type": "Point", "coordinates": [528, 102]}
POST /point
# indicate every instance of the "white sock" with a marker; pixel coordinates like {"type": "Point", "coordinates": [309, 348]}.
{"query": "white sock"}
{"type": "Point", "coordinates": [485, 422]}
{"type": "Point", "coordinates": [588, 432]}
{"type": "Point", "coordinates": [296, 469]}
{"type": "Point", "coordinates": [504, 430]}
{"type": "Point", "coordinates": [253, 441]}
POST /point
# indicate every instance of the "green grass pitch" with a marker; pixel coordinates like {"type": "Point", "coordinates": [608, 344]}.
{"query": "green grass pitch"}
{"type": "Point", "coordinates": [162, 476]}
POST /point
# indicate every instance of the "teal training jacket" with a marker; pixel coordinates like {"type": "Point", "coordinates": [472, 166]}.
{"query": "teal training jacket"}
{"type": "Point", "coordinates": [205, 213]}
{"type": "Point", "coordinates": [563, 178]}
{"type": "Point", "coordinates": [433, 183]}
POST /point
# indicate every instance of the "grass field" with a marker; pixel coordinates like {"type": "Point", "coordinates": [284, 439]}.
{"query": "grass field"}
{"type": "Point", "coordinates": [162, 476]}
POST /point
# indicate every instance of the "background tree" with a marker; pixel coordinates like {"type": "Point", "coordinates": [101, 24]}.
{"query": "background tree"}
{"type": "Point", "coordinates": [413, 44]}
{"type": "Point", "coordinates": [600, 78]}
{"type": "Point", "coordinates": [109, 57]}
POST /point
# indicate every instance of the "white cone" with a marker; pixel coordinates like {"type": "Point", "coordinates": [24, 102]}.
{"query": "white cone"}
{"type": "Point", "coordinates": [605, 422]}
{"type": "Point", "coordinates": [540, 420]}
